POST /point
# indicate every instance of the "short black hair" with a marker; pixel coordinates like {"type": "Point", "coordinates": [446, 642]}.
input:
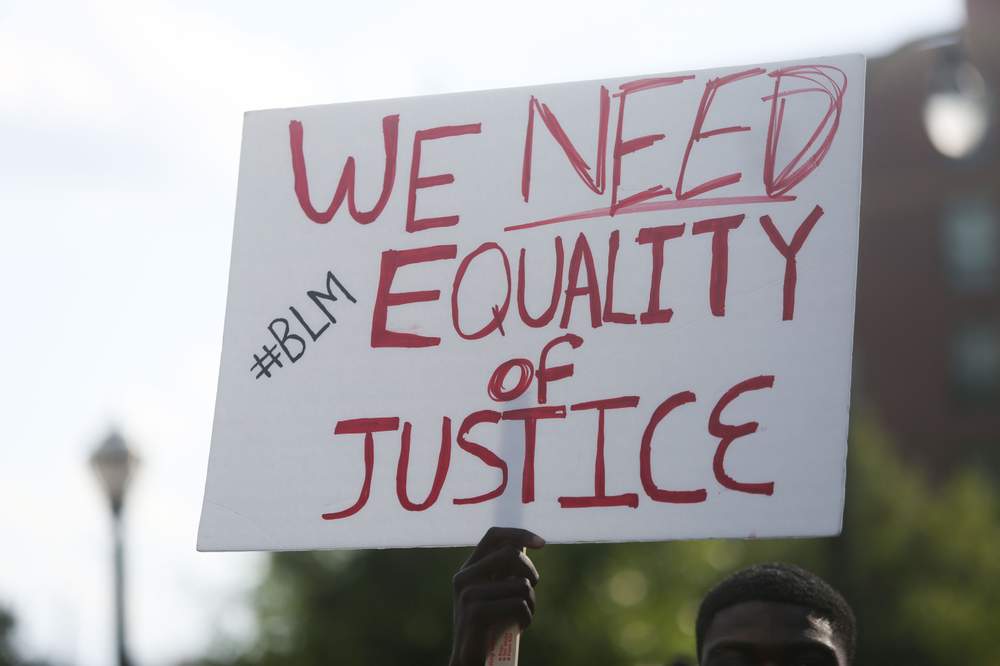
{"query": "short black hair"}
{"type": "Point", "coordinates": [780, 583]}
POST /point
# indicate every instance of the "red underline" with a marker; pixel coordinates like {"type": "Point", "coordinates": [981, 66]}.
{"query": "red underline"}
{"type": "Point", "coordinates": [649, 207]}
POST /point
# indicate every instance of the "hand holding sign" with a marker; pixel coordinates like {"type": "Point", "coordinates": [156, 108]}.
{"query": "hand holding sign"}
{"type": "Point", "coordinates": [493, 590]}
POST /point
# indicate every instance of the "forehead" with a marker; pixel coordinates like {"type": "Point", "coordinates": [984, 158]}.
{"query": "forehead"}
{"type": "Point", "coordinates": [768, 623]}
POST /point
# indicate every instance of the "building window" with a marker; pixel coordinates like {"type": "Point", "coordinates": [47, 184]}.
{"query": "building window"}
{"type": "Point", "coordinates": [971, 244]}
{"type": "Point", "coordinates": [976, 363]}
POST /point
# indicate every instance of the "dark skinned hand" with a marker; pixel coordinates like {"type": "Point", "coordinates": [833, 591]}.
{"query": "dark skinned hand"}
{"type": "Point", "coordinates": [493, 590]}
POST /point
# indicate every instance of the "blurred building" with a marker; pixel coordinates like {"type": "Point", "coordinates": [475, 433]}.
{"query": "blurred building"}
{"type": "Point", "coordinates": [928, 319]}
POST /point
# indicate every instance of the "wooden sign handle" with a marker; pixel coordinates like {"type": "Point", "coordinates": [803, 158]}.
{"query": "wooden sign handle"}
{"type": "Point", "coordinates": [505, 646]}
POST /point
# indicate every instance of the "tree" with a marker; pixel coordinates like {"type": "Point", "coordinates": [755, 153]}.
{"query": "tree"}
{"type": "Point", "coordinates": [9, 655]}
{"type": "Point", "coordinates": [919, 564]}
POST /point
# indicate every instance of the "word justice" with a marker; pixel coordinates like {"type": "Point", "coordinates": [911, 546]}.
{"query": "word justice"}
{"type": "Point", "coordinates": [371, 429]}
{"type": "Point", "coordinates": [581, 280]}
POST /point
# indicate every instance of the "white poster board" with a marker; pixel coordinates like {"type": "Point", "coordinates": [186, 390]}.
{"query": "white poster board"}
{"type": "Point", "coordinates": [604, 311]}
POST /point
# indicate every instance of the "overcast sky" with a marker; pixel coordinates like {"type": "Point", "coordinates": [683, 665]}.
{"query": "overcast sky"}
{"type": "Point", "coordinates": [120, 124]}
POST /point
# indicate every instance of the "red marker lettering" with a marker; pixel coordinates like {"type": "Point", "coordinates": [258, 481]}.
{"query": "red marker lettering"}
{"type": "Point", "coordinates": [623, 148]}
{"type": "Point", "coordinates": [727, 434]}
{"type": "Point", "coordinates": [546, 374]}
{"type": "Point", "coordinates": [582, 169]}
{"type": "Point", "coordinates": [481, 452]}
{"type": "Point", "coordinates": [531, 416]}
{"type": "Point", "coordinates": [719, 228]}
{"type": "Point", "coordinates": [600, 497]}
{"type": "Point", "coordinates": [418, 182]}
{"type": "Point", "coordinates": [698, 133]}
{"type": "Point", "coordinates": [582, 255]}
{"type": "Point", "coordinates": [609, 292]}
{"type": "Point", "coordinates": [444, 459]}
{"type": "Point", "coordinates": [545, 317]}
{"type": "Point", "coordinates": [789, 251]}
{"type": "Point", "coordinates": [657, 237]}
{"type": "Point", "coordinates": [656, 493]}
{"type": "Point", "coordinates": [345, 186]}
{"type": "Point", "coordinates": [392, 260]}
{"type": "Point", "coordinates": [368, 428]}
{"type": "Point", "coordinates": [817, 79]}
{"type": "Point", "coordinates": [499, 313]}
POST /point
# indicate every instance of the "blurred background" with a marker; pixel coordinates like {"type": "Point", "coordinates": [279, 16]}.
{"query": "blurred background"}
{"type": "Point", "coordinates": [120, 124]}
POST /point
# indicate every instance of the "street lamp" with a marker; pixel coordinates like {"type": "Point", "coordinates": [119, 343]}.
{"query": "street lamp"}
{"type": "Point", "coordinates": [114, 465]}
{"type": "Point", "coordinates": [957, 110]}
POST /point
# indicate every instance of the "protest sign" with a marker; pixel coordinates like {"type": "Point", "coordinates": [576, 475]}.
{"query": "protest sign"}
{"type": "Point", "coordinates": [604, 311]}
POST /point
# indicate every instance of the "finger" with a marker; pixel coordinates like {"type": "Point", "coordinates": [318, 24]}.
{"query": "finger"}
{"type": "Point", "coordinates": [511, 588]}
{"type": "Point", "coordinates": [504, 563]}
{"type": "Point", "coordinates": [501, 613]}
{"type": "Point", "coordinates": [498, 537]}
{"type": "Point", "coordinates": [509, 561]}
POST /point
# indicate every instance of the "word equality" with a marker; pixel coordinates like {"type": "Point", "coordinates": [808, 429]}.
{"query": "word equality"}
{"type": "Point", "coordinates": [581, 279]}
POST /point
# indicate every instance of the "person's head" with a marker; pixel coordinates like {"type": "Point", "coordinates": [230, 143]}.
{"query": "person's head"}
{"type": "Point", "coordinates": [774, 614]}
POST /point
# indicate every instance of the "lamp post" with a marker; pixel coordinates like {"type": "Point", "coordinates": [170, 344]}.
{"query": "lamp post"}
{"type": "Point", "coordinates": [114, 464]}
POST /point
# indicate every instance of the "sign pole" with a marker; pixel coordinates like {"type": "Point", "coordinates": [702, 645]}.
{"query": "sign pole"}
{"type": "Point", "coordinates": [505, 648]}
